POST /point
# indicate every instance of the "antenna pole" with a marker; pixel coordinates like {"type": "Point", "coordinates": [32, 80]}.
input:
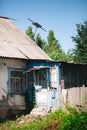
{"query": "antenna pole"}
{"type": "Point", "coordinates": [35, 32]}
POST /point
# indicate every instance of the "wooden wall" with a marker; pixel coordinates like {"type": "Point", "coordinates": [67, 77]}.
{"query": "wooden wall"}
{"type": "Point", "coordinates": [74, 75]}
{"type": "Point", "coordinates": [75, 96]}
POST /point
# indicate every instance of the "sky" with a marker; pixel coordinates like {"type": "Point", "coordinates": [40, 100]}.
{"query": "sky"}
{"type": "Point", "coordinates": [61, 16]}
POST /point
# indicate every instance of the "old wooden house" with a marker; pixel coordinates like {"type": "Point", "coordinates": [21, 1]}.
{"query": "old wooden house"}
{"type": "Point", "coordinates": [24, 67]}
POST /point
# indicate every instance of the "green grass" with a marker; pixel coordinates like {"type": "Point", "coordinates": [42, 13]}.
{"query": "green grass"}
{"type": "Point", "coordinates": [58, 120]}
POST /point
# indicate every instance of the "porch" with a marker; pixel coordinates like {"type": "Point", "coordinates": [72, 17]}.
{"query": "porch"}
{"type": "Point", "coordinates": [39, 81]}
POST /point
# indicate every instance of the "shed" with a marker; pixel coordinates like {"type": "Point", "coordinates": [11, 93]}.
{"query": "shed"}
{"type": "Point", "coordinates": [73, 74]}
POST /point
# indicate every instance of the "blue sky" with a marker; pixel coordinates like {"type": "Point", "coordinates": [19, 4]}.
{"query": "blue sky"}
{"type": "Point", "coordinates": [61, 16]}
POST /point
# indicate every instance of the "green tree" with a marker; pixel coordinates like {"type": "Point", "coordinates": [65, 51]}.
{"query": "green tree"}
{"type": "Point", "coordinates": [80, 40]}
{"type": "Point", "coordinates": [30, 33]}
{"type": "Point", "coordinates": [53, 48]}
{"type": "Point", "coordinates": [70, 56]}
{"type": "Point", "coordinates": [40, 42]}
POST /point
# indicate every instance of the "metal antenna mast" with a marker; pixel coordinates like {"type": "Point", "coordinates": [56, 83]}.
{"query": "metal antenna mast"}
{"type": "Point", "coordinates": [37, 25]}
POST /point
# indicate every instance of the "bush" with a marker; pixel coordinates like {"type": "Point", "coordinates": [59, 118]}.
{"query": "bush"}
{"type": "Point", "coordinates": [58, 120]}
{"type": "Point", "coordinates": [75, 120]}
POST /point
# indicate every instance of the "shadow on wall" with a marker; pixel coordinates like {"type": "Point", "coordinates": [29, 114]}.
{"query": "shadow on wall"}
{"type": "Point", "coordinates": [13, 105]}
{"type": "Point", "coordinates": [9, 109]}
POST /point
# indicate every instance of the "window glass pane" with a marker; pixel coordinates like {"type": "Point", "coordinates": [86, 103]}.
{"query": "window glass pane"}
{"type": "Point", "coordinates": [16, 74]}
{"type": "Point", "coordinates": [30, 79]}
{"type": "Point", "coordinates": [42, 78]}
{"type": "Point", "coordinates": [16, 82]}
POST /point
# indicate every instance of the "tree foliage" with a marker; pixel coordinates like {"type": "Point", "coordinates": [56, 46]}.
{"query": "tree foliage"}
{"type": "Point", "coordinates": [69, 56]}
{"type": "Point", "coordinates": [30, 33]}
{"type": "Point", "coordinates": [80, 40]}
{"type": "Point", "coordinates": [40, 42]}
{"type": "Point", "coordinates": [53, 48]}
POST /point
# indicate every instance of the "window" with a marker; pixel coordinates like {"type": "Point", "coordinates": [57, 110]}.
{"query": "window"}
{"type": "Point", "coordinates": [16, 82]}
{"type": "Point", "coordinates": [30, 79]}
{"type": "Point", "coordinates": [43, 78]}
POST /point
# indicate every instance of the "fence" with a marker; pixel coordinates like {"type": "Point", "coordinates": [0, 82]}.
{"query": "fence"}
{"type": "Point", "coordinates": [75, 96]}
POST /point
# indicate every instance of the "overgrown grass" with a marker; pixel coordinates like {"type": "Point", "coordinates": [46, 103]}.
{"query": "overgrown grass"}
{"type": "Point", "coordinates": [58, 120]}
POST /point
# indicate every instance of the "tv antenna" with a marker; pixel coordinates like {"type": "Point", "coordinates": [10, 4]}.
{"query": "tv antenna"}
{"type": "Point", "coordinates": [37, 25]}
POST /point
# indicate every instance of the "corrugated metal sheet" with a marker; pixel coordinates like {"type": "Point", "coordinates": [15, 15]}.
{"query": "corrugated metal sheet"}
{"type": "Point", "coordinates": [15, 44]}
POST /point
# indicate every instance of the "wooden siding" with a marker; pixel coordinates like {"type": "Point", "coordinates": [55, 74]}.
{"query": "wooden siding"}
{"type": "Point", "coordinates": [74, 75]}
{"type": "Point", "coordinates": [75, 96]}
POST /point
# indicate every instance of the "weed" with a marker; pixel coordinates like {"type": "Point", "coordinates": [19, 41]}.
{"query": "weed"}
{"type": "Point", "coordinates": [58, 120]}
